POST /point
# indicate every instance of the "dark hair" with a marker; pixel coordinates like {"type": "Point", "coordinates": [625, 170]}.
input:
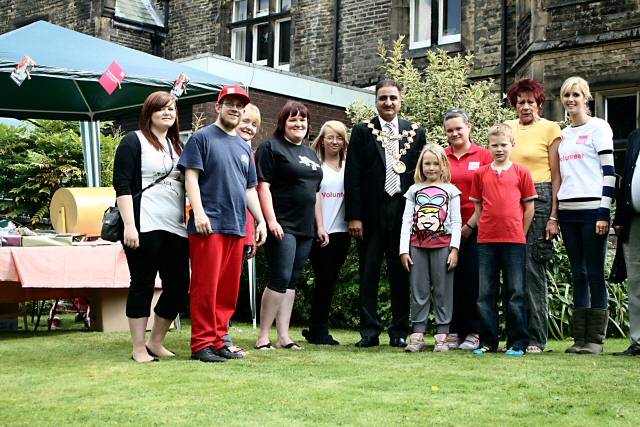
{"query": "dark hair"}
{"type": "Point", "coordinates": [386, 83]}
{"type": "Point", "coordinates": [290, 109]}
{"type": "Point", "coordinates": [153, 103]}
{"type": "Point", "coordinates": [526, 85]}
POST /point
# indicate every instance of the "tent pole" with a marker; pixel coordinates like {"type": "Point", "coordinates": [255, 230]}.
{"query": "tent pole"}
{"type": "Point", "coordinates": [90, 132]}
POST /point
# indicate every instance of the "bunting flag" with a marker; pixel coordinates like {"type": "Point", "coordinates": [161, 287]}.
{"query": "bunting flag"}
{"type": "Point", "coordinates": [112, 78]}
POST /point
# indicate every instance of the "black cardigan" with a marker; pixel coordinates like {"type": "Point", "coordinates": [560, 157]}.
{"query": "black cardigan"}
{"type": "Point", "coordinates": [127, 171]}
{"type": "Point", "coordinates": [624, 210]}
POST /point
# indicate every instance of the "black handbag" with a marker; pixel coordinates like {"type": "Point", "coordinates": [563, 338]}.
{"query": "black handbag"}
{"type": "Point", "coordinates": [112, 225]}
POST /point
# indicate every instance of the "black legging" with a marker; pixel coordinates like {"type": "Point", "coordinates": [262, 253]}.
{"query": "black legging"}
{"type": "Point", "coordinates": [326, 263]}
{"type": "Point", "coordinates": [166, 253]}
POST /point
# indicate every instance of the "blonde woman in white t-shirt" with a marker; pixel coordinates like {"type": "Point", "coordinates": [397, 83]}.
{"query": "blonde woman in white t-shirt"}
{"type": "Point", "coordinates": [584, 203]}
{"type": "Point", "coordinates": [329, 252]}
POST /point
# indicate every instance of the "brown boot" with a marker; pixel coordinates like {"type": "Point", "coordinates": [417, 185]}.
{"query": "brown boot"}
{"type": "Point", "coordinates": [579, 330]}
{"type": "Point", "coordinates": [597, 320]}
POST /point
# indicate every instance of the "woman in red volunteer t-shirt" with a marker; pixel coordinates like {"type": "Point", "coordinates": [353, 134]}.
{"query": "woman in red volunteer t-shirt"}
{"type": "Point", "coordinates": [465, 157]}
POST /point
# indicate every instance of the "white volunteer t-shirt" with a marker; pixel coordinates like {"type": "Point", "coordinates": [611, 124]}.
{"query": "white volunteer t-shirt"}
{"type": "Point", "coordinates": [579, 160]}
{"type": "Point", "coordinates": [332, 192]}
{"type": "Point", "coordinates": [161, 206]}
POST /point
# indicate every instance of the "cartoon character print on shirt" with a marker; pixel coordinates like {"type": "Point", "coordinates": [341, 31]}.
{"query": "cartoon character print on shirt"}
{"type": "Point", "coordinates": [430, 213]}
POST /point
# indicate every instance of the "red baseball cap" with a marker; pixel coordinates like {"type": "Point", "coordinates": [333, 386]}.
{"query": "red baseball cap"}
{"type": "Point", "coordinates": [236, 90]}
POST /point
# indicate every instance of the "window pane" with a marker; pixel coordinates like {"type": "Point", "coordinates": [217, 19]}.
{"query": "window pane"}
{"type": "Point", "coordinates": [285, 5]}
{"type": "Point", "coordinates": [421, 20]}
{"type": "Point", "coordinates": [284, 44]}
{"type": "Point", "coordinates": [262, 45]}
{"type": "Point", "coordinates": [239, 10]}
{"type": "Point", "coordinates": [238, 47]}
{"type": "Point", "coordinates": [451, 13]}
{"type": "Point", "coordinates": [261, 7]}
{"type": "Point", "coordinates": [621, 115]}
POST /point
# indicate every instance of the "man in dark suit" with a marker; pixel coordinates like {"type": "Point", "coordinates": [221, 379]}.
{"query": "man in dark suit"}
{"type": "Point", "coordinates": [379, 170]}
{"type": "Point", "coordinates": [627, 227]}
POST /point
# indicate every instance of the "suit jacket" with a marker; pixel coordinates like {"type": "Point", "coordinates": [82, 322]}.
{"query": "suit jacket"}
{"type": "Point", "coordinates": [365, 170]}
{"type": "Point", "coordinates": [624, 210]}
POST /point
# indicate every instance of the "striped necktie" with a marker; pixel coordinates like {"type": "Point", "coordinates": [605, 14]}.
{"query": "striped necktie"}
{"type": "Point", "coordinates": [392, 179]}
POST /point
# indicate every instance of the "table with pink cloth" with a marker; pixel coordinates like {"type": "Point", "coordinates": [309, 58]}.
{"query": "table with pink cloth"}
{"type": "Point", "coordinates": [98, 272]}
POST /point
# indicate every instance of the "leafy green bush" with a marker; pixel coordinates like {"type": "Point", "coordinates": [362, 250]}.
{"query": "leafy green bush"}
{"type": "Point", "coordinates": [443, 84]}
{"type": "Point", "coordinates": [35, 162]}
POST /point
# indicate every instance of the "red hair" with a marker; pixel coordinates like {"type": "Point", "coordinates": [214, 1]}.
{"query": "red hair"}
{"type": "Point", "coordinates": [290, 109]}
{"type": "Point", "coordinates": [526, 85]}
{"type": "Point", "coordinates": [155, 102]}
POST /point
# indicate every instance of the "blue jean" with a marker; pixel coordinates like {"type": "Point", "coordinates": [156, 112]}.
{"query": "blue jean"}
{"type": "Point", "coordinates": [286, 259]}
{"type": "Point", "coordinates": [587, 252]}
{"type": "Point", "coordinates": [510, 260]}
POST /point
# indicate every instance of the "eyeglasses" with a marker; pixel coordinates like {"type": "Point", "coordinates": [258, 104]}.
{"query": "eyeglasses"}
{"type": "Point", "coordinates": [456, 112]}
{"type": "Point", "coordinates": [333, 138]}
{"type": "Point", "coordinates": [234, 105]}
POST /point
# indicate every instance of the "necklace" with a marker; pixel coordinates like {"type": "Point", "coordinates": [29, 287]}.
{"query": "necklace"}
{"type": "Point", "coordinates": [389, 142]}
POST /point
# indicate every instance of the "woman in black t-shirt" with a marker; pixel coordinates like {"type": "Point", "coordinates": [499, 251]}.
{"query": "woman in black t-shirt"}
{"type": "Point", "coordinates": [289, 175]}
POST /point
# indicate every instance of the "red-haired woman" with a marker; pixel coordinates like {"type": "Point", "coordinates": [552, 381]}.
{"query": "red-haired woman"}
{"type": "Point", "coordinates": [536, 149]}
{"type": "Point", "coordinates": [289, 176]}
{"type": "Point", "coordinates": [155, 237]}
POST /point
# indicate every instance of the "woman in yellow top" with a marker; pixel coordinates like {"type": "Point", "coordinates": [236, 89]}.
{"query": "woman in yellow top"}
{"type": "Point", "coordinates": [536, 148]}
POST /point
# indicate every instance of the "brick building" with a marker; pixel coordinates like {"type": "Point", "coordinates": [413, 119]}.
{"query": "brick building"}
{"type": "Point", "coordinates": [337, 39]}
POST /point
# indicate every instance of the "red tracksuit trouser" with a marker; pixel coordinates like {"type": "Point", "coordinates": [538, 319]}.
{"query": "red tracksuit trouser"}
{"type": "Point", "coordinates": [216, 265]}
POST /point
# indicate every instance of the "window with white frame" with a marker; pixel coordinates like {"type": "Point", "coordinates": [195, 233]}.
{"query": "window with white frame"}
{"type": "Point", "coordinates": [261, 32]}
{"type": "Point", "coordinates": [239, 10]}
{"type": "Point", "coordinates": [239, 44]}
{"type": "Point", "coordinates": [427, 17]}
{"type": "Point", "coordinates": [260, 44]}
{"type": "Point", "coordinates": [419, 23]}
{"type": "Point", "coordinates": [260, 8]}
{"type": "Point", "coordinates": [282, 44]}
{"type": "Point", "coordinates": [449, 21]}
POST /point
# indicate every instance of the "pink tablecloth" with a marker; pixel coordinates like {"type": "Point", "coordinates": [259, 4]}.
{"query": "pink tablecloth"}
{"type": "Point", "coordinates": [32, 273]}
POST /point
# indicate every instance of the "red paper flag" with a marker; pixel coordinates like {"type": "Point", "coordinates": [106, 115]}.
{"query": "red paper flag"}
{"type": "Point", "coordinates": [112, 78]}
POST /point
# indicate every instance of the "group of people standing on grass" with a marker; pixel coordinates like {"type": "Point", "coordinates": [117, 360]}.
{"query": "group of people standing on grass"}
{"type": "Point", "coordinates": [448, 222]}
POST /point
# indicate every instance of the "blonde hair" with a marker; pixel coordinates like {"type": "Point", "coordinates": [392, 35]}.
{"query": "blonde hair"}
{"type": "Point", "coordinates": [502, 129]}
{"type": "Point", "coordinates": [318, 143]}
{"type": "Point", "coordinates": [443, 160]}
{"type": "Point", "coordinates": [252, 109]}
{"type": "Point", "coordinates": [582, 86]}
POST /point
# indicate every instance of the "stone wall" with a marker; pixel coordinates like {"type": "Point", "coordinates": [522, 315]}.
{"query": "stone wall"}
{"type": "Point", "coordinates": [75, 14]}
{"type": "Point", "coordinates": [198, 26]}
{"type": "Point", "coordinates": [91, 17]}
{"type": "Point", "coordinates": [312, 23]}
{"type": "Point", "coordinates": [363, 25]}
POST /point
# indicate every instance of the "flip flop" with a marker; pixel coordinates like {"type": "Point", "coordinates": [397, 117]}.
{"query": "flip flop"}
{"type": "Point", "coordinates": [264, 347]}
{"type": "Point", "coordinates": [292, 346]}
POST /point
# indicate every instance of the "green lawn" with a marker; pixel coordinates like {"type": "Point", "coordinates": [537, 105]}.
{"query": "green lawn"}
{"type": "Point", "coordinates": [73, 377]}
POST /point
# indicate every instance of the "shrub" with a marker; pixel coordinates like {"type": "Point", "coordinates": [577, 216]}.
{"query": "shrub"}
{"type": "Point", "coordinates": [35, 162]}
{"type": "Point", "coordinates": [443, 84]}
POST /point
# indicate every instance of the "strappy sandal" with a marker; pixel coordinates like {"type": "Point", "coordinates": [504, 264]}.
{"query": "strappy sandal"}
{"type": "Point", "coordinates": [534, 349]}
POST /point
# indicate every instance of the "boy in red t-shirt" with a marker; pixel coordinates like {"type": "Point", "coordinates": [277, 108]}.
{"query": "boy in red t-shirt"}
{"type": "Point", "coordinates": [503, 193]}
